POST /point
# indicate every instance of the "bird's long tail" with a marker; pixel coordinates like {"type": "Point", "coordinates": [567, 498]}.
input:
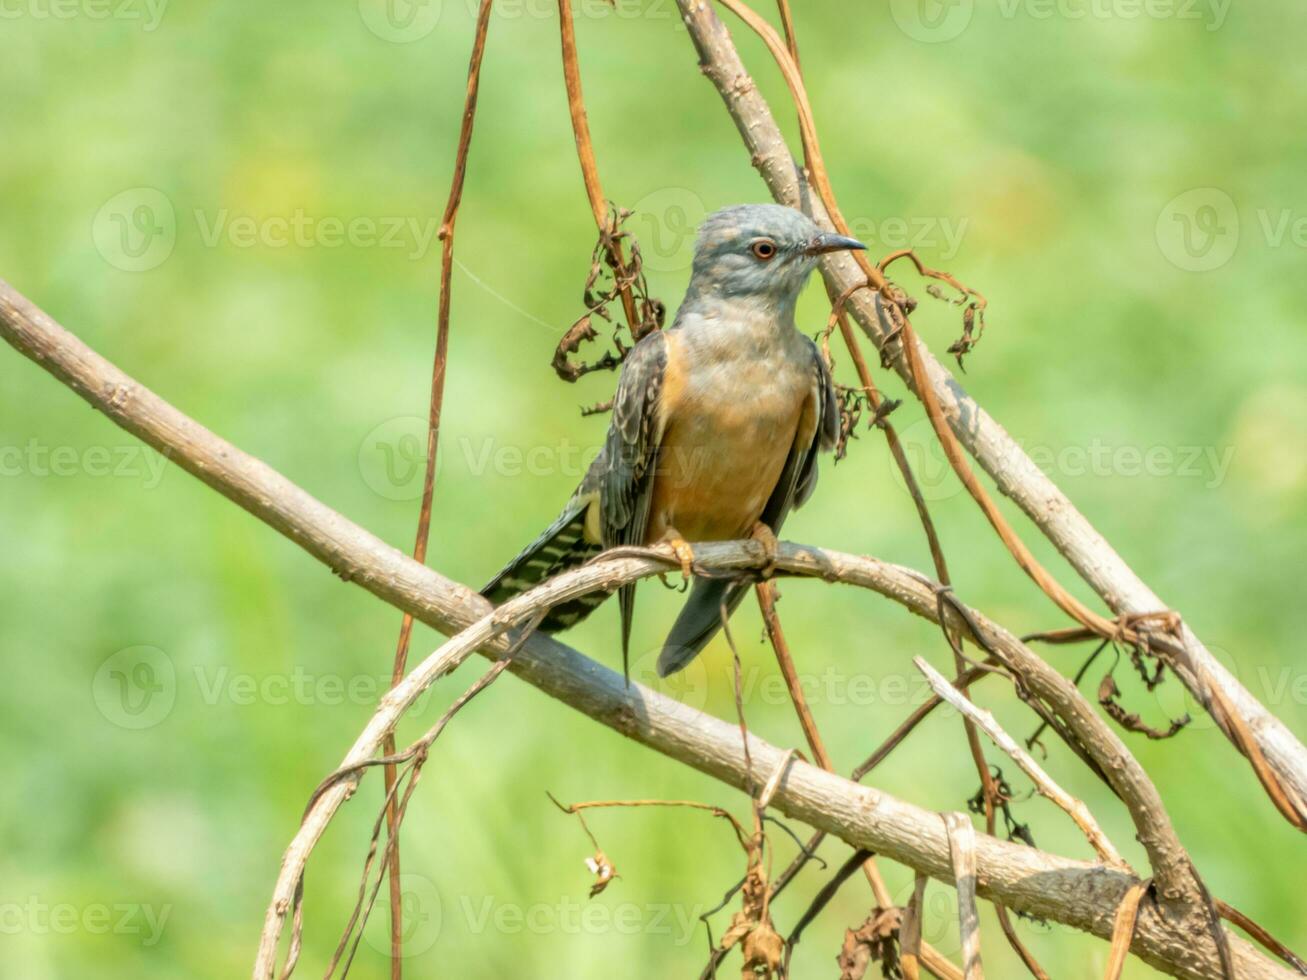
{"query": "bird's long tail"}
{"type": "Point", "coordinates": [563, 545]}
{"type": "Point", "coordinates": [699, 621]}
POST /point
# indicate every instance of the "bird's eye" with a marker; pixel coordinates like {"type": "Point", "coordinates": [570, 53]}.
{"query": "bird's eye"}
{"type": "Point", "coordinates": [764, 249]}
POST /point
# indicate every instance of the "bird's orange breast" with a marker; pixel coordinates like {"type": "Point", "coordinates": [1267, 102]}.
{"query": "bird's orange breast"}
{"type": "Point", "coordinates": [727, 432]}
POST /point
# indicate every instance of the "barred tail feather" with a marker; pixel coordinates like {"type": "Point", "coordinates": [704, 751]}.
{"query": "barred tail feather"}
{"type": "Point", "coordinates": [563, 545]}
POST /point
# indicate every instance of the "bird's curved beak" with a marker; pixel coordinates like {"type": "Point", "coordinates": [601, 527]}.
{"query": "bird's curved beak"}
{"type": "Point", "coordinates": [830, 242]}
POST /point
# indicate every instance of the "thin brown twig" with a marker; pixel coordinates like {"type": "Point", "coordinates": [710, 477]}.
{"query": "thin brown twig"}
{"type": "Point", "coordinates": [576, 808]}
{"type": "Point", "coordinates": [905, 728]}
{"type": "Point", "coordinates": [900, 456]}
{"type": "Point", "coordinates": [434, 412]}
{"type": "Point", "coordinates": [415, 756]}
{"type": "Point", "coordinates": [787, 25]}
{"type": "Point", "coordinates": [1258, 932]}
{"type": "Point", "coordinates": [586, 156]}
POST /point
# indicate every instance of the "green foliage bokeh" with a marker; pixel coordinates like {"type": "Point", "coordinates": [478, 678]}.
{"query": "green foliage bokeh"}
{"type": "Point", "coordinates": [190, 189]}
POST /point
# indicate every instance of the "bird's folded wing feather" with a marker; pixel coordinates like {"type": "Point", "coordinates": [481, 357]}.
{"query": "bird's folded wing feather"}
{"type": "Point", "coordinates": [799, 476]}
{"type": "Point", "coordinates": [620, 482]}
{"type": "Point", "coordinates": [622, 476]}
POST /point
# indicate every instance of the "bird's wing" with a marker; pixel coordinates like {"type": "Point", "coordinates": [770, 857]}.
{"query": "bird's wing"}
{"type": "Point", "coordinates": [799, 476]}
{"type": "Point", "coordinates": [620, 481]}
{"type": "Point", "coordinates": [622, 475]}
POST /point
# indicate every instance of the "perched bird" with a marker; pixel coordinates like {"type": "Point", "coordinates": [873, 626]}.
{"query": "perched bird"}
{"type": "Point", "coordinates": [715, 429]}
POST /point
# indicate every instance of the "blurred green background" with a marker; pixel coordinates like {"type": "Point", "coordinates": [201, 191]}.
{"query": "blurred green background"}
{"type": "Point", "coordinates": [237, 204]}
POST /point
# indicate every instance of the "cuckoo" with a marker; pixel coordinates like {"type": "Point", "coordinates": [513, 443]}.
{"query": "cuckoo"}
{"type": "Point", "coordinates": [715, 429]}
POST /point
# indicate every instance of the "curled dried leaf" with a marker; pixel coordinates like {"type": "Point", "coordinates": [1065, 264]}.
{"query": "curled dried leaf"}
{"type": "Point", "coordinates": [606, 283]}
{"type": "Point", "coordinates": [852, 404]}
{"type": "Point", "coordinates": [973, 315]}
{"type": "Point", "coordinates": [1108, 693]}
{"type": "Point", "coordinates": [875, 941]}
{"type": "Point", "coordinates": [763, 949]}
{"type": "Point", "coordinates": [603, 870]}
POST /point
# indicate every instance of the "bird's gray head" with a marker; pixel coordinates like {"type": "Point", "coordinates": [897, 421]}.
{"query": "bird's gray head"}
{"type": "Point", "coordinates": [765, 251]}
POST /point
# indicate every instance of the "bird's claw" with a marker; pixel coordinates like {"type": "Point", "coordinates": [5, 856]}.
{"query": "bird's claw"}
{"type": "Point", "coordinates": [683, 553]}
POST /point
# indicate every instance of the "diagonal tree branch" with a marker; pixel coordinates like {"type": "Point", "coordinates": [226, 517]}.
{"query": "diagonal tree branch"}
{"type": "Point", "coordinates": [999, 455]}
{"type": "Point", "coordinates": [1078, 894]}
